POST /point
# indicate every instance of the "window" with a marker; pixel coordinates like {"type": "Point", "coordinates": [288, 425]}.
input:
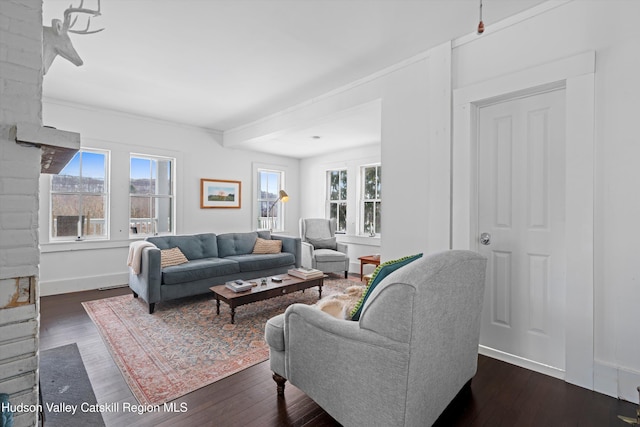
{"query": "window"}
{"type": "Point", "coordinates": [151, 195]}
{"type": "Point", "coordinates": [371, 199]}
{"type": "Point", "coordinates": [337, 198]}
{"type": "Point", "coordinates": [79, 198]}
{"type": "Point", "coordinates": [270, 213]}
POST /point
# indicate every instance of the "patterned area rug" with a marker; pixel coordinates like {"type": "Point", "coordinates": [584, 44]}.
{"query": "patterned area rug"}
{"type": "Point", "coordinates": [184, 345]}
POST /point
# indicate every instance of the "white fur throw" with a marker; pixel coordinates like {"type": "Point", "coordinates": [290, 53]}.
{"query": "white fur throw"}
{"type": "Point", "coordinates": [341, 305]}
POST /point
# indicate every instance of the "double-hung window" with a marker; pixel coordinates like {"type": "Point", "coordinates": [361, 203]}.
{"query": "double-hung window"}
{"type": "Point", "coordinates": [371, 199]}
{"type": "Point", "coordinates": [337, 198]}
{"type": "Point", "coordinates": [270, 209]}
{"type": "Point", "coordinates": [79, 198]}
{"type": "Point", "coordinates": [151, 195]}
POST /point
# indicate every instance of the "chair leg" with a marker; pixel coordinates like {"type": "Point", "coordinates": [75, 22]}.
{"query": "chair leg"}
{"type": "Point", "coordinates": [346, 274]}
{"type": "Point", "coordinates": [135, 295]}
{"type": "Point", "coordinates": [152, 307]}
{"type": "Point", "coordinates": [280, 382]}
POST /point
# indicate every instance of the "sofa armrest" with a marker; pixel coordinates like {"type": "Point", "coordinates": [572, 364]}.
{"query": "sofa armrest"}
{"type": "Point", "coordinates": [147, 283]}
{"type": "Point", "coordinates": [290, 245]}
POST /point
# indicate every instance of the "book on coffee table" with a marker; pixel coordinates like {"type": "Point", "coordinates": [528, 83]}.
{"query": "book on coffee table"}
{"type": "Point", "coordinates": [239, 287]}
{"type": "Point", "coordinates": [306, 273]}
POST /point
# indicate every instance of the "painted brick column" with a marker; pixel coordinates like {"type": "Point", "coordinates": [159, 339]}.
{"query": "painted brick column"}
{"type": "Point", "coordinates": [20, 102]}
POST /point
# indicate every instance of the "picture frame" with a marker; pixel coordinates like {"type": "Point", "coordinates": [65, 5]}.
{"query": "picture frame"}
{"type": "Point", "coordinates": [220, 194]}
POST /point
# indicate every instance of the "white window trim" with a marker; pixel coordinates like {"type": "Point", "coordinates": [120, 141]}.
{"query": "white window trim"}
{"type": "Point", "coordinates": [257, 168]}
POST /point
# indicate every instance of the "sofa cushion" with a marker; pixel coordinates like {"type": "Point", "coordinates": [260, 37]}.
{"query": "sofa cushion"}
{"type": "Point", "coordinates": [327, 243]}
{"type": "Point", "coordinates": [236, 243]}
{"type": "Point", "coordinates": [206, 268]}
{"type": "Point", "coordinates": [264, 246]}
{"type": "Point", "coordinates": [194, 246]}
{"type": "Point", "coordinates": [173, 256]}
{"type": "Point", "coordinates": [382, 271]}
{"type": "Point", "coordinates": [256, 262]}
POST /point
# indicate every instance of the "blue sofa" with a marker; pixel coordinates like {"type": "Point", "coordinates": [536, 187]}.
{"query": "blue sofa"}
{"type": "Point", "coordinates": [212, 260]}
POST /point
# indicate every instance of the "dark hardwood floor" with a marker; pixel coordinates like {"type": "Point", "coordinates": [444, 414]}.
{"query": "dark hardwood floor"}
{"type": "Point", "coordinates": [500, 394]}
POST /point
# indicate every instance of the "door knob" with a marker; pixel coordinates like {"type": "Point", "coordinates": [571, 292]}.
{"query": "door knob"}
{"type": "Point", "coordinates": [485, 239]}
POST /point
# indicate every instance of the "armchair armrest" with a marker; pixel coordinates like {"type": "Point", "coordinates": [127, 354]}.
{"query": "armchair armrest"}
{"type": "Point", "coordinates": [307, 254]}
{"type": "Point", "coordinates": [342, 247]}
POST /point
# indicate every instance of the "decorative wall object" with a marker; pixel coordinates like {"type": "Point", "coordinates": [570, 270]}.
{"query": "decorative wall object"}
{"type": "Point", "coordinates": [220, 193]}
{"type": "Point", "coordinates": [56, 41]}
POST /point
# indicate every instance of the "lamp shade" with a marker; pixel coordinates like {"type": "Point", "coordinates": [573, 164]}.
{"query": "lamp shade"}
{"type": "Point", "coordinates": [284, 196]}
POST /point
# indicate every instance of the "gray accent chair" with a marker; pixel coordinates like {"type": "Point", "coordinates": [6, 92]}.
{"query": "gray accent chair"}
{"type": "Point", "coordinates": [414, 348]}
{"type": "Point", "coordinates": [316, 233]}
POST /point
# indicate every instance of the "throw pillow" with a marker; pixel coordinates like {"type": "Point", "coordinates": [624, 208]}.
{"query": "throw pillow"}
{"type": "Point", "coordinates": [382, 271]}
{"type": "Point", "coordinates": [264, 246]}
{"type": "Point", "coordinates": [173, 256]}
{"type": "Point", "coordinates": [328, 243]}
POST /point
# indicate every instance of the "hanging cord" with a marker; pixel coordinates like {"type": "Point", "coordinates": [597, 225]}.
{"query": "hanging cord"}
{"type": "Point", "coordinates": [480, 24]}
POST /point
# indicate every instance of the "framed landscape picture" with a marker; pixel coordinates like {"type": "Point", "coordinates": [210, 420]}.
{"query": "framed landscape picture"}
{"type": "Point", "coordinates": [220, 193]}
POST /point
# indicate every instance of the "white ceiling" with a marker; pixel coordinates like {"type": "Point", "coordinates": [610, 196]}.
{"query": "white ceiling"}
{"type": "Point", "coordinates": [220, 64]}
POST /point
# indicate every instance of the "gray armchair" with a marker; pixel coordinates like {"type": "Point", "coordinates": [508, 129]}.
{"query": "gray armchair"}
{"type": "Point", "coordinates": [319, 247]}
{"type": "Point", "coordinates": [413, 349]}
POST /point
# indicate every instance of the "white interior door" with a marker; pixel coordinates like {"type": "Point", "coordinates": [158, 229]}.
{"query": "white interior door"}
{"type": "Point", "coordinates": [521, 218]}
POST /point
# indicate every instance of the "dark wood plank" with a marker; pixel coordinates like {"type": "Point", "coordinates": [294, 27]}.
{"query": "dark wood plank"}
{"type": "Point", "coordinates": [500, 394]}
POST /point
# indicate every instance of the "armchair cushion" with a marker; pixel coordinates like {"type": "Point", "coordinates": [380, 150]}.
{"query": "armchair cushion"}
{"type": "Point", "coordinates": [328, 255]}
{"type": "Point", "coordinates": [326, 243]}
{"type": "Point", "coordinates": [382, 271]}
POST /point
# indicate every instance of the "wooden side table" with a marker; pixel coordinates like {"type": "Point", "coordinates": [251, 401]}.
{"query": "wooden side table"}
{"type": "Point", "coordinates": [368, 259]}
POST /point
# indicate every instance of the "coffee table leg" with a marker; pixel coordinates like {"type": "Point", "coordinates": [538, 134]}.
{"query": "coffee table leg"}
{"type": "Point", "coordinates": [233, 315]}
{"type": "Point", "coordinates": [320, 291]}
{"type": "Point", "coordinates": [217, 305]}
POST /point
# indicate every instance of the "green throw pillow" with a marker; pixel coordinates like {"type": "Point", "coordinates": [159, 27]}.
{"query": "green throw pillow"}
{"type": "Point", "coordinates": [382, 271]}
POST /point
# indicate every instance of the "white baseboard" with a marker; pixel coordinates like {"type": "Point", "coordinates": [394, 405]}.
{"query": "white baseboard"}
{"type": "Point", "coordinates": [77, 284]}
{"type": "Point", "coordinates": [522, 362]}
{"type": "Point", "coordinates": [616, 381]}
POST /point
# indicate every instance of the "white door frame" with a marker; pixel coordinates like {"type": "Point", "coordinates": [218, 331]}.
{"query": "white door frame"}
{"type": "Point", "coordinates": [577, 75]}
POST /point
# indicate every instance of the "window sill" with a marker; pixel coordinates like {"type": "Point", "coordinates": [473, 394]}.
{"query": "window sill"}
{"type": "Point", "coordinates": [82, 245]}
{"type": "Point", "coordinates": [359, 239]}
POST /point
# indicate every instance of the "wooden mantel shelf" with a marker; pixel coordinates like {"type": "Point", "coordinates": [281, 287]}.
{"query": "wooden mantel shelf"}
{"type": "Point", "coordinates": [58, 146]}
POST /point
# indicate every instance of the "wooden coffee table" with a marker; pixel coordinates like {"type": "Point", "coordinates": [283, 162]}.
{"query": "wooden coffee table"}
{"type": "Point", "coordinates": [262, 292]}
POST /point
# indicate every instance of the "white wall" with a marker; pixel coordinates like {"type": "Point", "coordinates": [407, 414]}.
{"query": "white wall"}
{"type": "Point", "coordinates": [610, 29]}
{"type": "Point", "coordinates": [313, 188]}
{"type": "Point", "coordinates": [74, 266]}
{"type": "Point", "coordinates": [415, 133]}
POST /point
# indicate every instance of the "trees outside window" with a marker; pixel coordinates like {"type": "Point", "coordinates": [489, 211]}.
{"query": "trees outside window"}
{"type": "Point", "coordinates": [79, 198]}
{"type": "Point", "coordinates": [151, 195]}
{"type": "Point", "coordinates": [371, 199]}
{"type": "Point", "coordinates": [337, 198]}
